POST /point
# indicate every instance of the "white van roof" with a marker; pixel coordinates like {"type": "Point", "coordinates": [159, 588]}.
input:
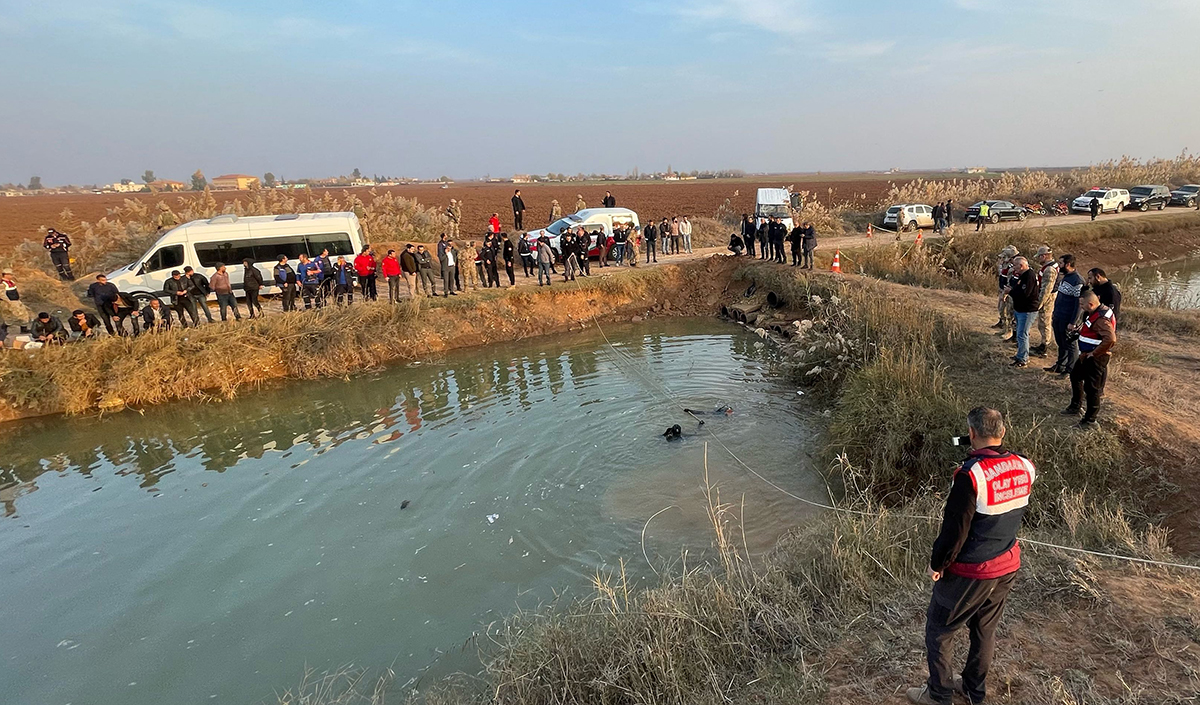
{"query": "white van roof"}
{"type": "Point", "coordinates": [229, 221]}
{"type": "Point", "coordinates": [589, 212]}
{"type": "Point", "coordinates": [774, 196]}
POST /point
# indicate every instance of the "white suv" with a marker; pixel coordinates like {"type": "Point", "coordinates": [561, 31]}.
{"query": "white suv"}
{"type": "Point", "coordinates": [1112, 200]}
{"type": "Point", "coordinates": [909, 216]}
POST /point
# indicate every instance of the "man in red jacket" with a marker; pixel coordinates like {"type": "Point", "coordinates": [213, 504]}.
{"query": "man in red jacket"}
{"type": "Point", "coordinates": [494, 223]}
{"type": "Point", "coordinates": [365, 267]}
{"type": "Point", "coordinates": [975, 560]}
{"type": "Point", "coordinates": [391, 272]}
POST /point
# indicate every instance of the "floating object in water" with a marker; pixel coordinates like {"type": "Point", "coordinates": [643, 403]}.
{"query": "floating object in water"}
{"type": "Point", "coordinates": [673, 433]}
{"type": "Point", "coordinates": [404, 504]}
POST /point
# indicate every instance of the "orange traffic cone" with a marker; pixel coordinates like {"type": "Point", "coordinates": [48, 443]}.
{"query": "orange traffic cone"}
{"type": "Point", "coordinates": [918, 237]}
{"type": "Point", "coordinates": [870, 230]}
{"type": "Point", "coordinates": [837, 262]}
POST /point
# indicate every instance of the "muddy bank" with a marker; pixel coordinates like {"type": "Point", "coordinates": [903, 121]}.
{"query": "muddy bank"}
{"type": "Point", "coordinates": [223, 360]}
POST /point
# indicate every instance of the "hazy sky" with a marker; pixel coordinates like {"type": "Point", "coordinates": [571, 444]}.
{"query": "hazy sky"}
{"type": "Point", "coordinates": [97, 90]}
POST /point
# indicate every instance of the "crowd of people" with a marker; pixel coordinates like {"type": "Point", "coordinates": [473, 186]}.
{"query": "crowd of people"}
{"type": "Point", "coordinates": [1080, 312]}
{"type": "Point", "coordinates": [772, 234]}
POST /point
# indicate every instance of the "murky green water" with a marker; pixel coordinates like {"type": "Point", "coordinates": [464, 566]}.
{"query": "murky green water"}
{"type": "Point", "coordinates": [209, 552]}
{"type": "Point", "coordinates": [1178, 283]}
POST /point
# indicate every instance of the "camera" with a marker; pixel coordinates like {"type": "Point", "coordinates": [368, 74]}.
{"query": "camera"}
{"type": "Point", "coordinates": [960, 441]}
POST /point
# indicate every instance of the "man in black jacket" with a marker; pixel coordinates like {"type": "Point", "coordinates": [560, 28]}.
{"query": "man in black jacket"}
{"type": "Point", "coordinates": [47, 330]}
{"type": "Point", "coordinates": [508, 253]}
{"type": "Point", "coordinates": [763, 232]}
{"type": "Point", "coordinates": [198, 289]}
{"type": "Point", "coordinates": [1108, 292]}
{"type": "Point", "coordinates": [103, 295]}
{"type": "Point", "coordinates": [796, 239]}
{"type": "Point", "coordinates": [748, 233]}
{"type": "Point", "coordinates": [252, 282]}
{"type": "Point", "coordinates": [518, 210]}
{"type": "Point", "coordinates": [974, 561]}
{"type": "Point", "coordinates": [155, 317]}
{"type": "Point", "coordinates": [809, 244]}
{"type": "Point", "coordinates": [84, 324]}
{"type": "Point", "coordinates": [181, 302]}
{"type": "Point", "coordinates": [59, 246]}
{"type": "Point", "coordinates": [1023, 288]}
{"type": "Point", "coordinates": [651, 234]}
{"type": "Point", "coordinates": [609, 201]}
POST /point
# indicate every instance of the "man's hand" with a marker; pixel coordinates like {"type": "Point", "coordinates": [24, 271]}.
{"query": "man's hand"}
{"type": "Point", "coordinates": [933, 574]}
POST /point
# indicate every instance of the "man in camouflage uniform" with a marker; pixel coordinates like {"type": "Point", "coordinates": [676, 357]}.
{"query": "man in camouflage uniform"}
{"type": "Point", "coordinates": [555, 211]}
{"type": "Point", "coordinates": [1047, 278]}
{"type": "Point", "coordinates": [1005, 274]}
{"type": "Point", "coordinates": [580, 204]}
{"type": "Point", "coordinates": [453, 218]}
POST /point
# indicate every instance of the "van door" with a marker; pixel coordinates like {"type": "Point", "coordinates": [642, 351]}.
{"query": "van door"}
{"type": "Point", "coordinates": [156, 268]}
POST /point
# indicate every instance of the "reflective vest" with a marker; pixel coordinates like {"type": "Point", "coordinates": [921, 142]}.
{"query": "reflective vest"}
{"type": "Point", "coordinates": [1002, 482]}
{"type": "Point", "coordinates": [984, 211]}
{"type": "Point", "coordinates": [1088, 339]}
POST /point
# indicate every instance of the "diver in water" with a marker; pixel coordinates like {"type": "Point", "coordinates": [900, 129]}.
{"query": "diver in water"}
{"type": "Point", "coordinates": [673, 433]}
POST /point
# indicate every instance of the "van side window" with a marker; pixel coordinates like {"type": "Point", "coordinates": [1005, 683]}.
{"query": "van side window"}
{"type": "Point", "coordinates": [168, 257]}
{"type": "Point", "coordinates": [268, 249]}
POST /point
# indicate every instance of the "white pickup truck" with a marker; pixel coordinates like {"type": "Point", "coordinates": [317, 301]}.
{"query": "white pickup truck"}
{"type": "Point", "coordinates": [596, 222]}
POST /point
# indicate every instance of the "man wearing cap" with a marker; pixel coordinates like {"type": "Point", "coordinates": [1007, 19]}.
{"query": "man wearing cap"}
{"type": "Point", "coordinates": [59, 246]}
{"type": "Point", "coordinates": [580, 204]}
{"type": "Point", "coordinates": [555, 211]}
{"type": "Point", "coordinates": [1047, 280]}
{"type": "Point", "coordinates": [453, 217]}
{"type": "Point", "coordinates": [1004, 270]}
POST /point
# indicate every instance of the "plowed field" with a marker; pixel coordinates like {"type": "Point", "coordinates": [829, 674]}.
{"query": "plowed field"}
{"type": "Point", "coordinates": [23, 217]}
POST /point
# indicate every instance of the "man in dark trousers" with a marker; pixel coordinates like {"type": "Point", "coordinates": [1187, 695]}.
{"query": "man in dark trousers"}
{"type": "Point", "coordinates": [1108, 292]}
{"type": "Point", "coordinates": [1066, 313]}
{"type": "Point", "coordinates": [975, 560]}
{"type": "Point", "coordinates": [199, 289]}
{"type": "Point", "coordinates": [796, 239]}
{"type": "Point", "coordinates": [810, 244]}
{"type": "Point", "coordinates": [763, 233]}
{"type": "Point", "coordinates": [59, 246]}
{"type": "Point", "coordinates": [518, 211]}
{"type": "Point", "coordinates": [609, 201]}
{"type": "Point", "coordinates": [1094, 207]}
{"type": "Point", "coordinates": [177, 289]}
{"type": "Point", "coordinates": [103, 295]}
{"type": "Point", "coordinates": [252, 282]}
{"type": "Point", "coordinates": [1097, 336]}
{"type": "Point", "coordinates": [748, 233]}
{"type": "Point", "coordinates": [650, 233]}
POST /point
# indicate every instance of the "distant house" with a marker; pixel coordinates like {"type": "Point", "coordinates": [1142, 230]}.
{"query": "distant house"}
{"type": "Point", "coordinates": [521, 179]}
{"type": "Point", "coordinates": [240, 182]}
{"type": "Point", "coordinates": [977, 170]}
{"type": "Point", "coordinates": [166, 185]}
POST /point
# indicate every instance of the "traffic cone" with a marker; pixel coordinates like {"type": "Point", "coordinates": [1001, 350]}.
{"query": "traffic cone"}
{"type": "Point", "coordinates": [870, 231]}
{"type": "Point", "coordinates": [837, 262]}
{"type": "Point", "coordinates": [918, 237]}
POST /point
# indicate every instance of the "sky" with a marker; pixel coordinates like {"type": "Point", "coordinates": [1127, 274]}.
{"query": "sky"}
{"type": "Point", "coordinates": [94, 91]}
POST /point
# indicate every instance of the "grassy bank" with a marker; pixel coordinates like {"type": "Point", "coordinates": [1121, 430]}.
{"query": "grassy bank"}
{"type": "Point", "coordinates": [834, 613]}
{"type": "Point", "coordinates": [225, 359]}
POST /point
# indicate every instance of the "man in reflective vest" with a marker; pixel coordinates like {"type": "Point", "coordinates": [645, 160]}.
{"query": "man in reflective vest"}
{"type": "Point", "coordinates": [1097, 335]}
{"type": "Point", "coordinates": [975, 560]}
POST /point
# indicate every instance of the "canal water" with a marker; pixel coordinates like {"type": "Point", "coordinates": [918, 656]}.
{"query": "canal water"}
{"type": "Point", "coordinates": [209, 552]}
{"type": "Point", "coordinates": [1176, 284]}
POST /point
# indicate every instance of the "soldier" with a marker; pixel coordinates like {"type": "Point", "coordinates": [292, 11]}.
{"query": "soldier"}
{"type": "Point", "coordinates": [453, 218]}
{"type": "Point", "coordinates": [470, 271]}
{"type": "Point", "coordinates": [59, 245]}
{"type": "Point", "coordinates": [1004, 271]}
{"type": "Point", "coordinates": [555, 210]}
{"type": "Point", "coordinates": [580, 204]}
{"type": "Point", "coordinates": [1047, 286]}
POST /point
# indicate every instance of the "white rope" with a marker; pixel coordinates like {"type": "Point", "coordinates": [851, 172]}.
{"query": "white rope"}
{"type": "Point", "coordinates": [671, 399]}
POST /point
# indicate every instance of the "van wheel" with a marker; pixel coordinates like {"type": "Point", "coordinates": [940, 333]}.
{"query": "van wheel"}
{"type": "Point", "coordinates": [1120, 207]}
{"type": "Point", "coordinates": [143, 300]}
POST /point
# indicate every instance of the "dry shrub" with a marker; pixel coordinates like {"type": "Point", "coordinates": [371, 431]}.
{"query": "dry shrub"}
{"type": "Point", "coordinates": [1041, 185]}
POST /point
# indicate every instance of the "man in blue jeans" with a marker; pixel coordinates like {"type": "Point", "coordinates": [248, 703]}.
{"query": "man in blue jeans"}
{"type": "Point", "coordinates": [1023, 289]}
{"type": "Point", "coordinates": [1066, 313]}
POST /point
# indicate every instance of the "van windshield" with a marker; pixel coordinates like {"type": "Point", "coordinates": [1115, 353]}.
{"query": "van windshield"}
{"type": "Point", "coordinates": [772, 210]}
{"type": "Point", "coordinates": [1095, 194]}
{"type": "Point", "coordinates": [561, 224]}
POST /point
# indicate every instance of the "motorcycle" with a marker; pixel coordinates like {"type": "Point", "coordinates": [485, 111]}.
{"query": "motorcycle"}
{"type": "Point", "coordinates": [1060, 208]}
{"type": "Point", "coordinates": [1034, 208]}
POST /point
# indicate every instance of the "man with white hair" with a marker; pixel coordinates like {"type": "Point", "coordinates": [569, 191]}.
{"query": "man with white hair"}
{"type": "Point", "coordinates": [1023, 293]}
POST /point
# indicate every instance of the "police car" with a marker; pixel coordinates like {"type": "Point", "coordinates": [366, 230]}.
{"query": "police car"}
{"type": "Point", "coordinates": [1112, 200]}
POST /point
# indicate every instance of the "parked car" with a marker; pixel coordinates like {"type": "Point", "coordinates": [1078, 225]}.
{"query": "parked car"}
{"type": "Point", "coordinates": [1186, 195]}
{"type": "Point", "coordinates": [1149, 196]}
{"type": "Point", "coordinates": [997, 211]}
{"type": "Point", "coordinates": [1112, 200]}
{"type": "Point", "coordinates": [909, 216]}
{"type": "Point", "coordinates": [597, 222]}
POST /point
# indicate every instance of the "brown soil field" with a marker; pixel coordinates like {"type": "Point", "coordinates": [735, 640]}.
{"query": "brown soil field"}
{"type": "Point", "coordinates": [24, 217]}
